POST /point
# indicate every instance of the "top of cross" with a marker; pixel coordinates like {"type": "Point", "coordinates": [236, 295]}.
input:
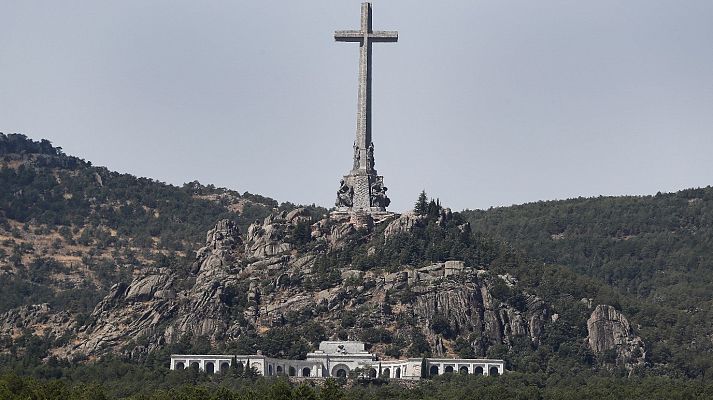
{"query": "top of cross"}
{"type": "Point", "coordinates": [366, 34]}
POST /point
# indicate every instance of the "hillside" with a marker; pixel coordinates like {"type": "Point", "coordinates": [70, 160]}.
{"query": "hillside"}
{"type": "Point", "coordinates": [70, 230]}
{"type": "Point", "coordinates": [656, 251]}
{"type": "Point", "coordinates": [97, 265]}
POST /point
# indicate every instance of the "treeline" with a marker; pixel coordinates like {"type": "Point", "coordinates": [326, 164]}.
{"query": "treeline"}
{"type": "Point", "coordinates": [193, 385]}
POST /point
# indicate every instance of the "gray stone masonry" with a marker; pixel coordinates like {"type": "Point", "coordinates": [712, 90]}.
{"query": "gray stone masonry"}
{"type": "Point", "coordinates": [363, 189]}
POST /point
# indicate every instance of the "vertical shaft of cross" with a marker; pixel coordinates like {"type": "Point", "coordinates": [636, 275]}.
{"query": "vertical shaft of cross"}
{"type": "Point", "coordinates": [363, 133]}
{"type": "Point", "coordinates": [365, 37]}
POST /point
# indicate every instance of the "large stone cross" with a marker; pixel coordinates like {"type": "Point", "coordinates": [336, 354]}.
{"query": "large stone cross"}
{"type": "Point", "coordinates": [363, 158]}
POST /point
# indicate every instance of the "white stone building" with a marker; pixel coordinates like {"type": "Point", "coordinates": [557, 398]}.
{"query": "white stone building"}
{"type": "Point", "coordinates": [338, 359]}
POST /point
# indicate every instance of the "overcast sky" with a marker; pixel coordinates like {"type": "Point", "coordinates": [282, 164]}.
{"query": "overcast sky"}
{"type": "Point", "coordinates": [481, 103]}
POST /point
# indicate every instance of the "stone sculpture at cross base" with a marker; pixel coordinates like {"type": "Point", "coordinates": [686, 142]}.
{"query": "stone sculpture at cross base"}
{"type": "Point", "coordinates": [362, 191]}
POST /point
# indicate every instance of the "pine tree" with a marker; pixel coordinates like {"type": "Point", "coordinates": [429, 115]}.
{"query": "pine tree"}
{"type": "Point", "coordinates": [239, 370]}
{"type": "Point", "coordinates": [331, 390]}
{"type": "Point", "coordinates": [424, 368]}
{"type": "Point", "coordinates": [421, 207]}
{"type": "Point", "coordinates": [433, 209]}
{"type": "Point", "coordinates": [304, 392]}
{"type": "Point", "coordinates": [234, 366]}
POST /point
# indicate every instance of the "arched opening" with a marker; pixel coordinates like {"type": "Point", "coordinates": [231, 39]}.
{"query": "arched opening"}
{"type": "Point", "coordinates": [279, 370]}
{"type": "Point", "coordinates": [224, 367]}
{"type": "Point", "coordinates": [291, 371]}
{"type": "Point", "coordinates": [463, 370]}
{"type": "Point", "coordinates": [494, 371]}
{"type": "Point", "coordinates": [180, 365]}
{"type": "Point", "coordinates": [478, 370]}
{"type": "Point", "coordinates": [386, 373]}
{"type": "Point", "coordinates": [433, 371]}
{"type": "Point", "coordinates": [195, 365]}
{"type": "Point", "coordinates": [398, 372]}
{"type": "Point", "coordinates": [372, 373]}
{"type": "Point", "coordinates": [305, 371]}
{"type": "Point", "coordinates": [448, 369]}
{"type": "Point", "coordinates": [340, 371]}
{"type": "Point", "coordinates": [209, 367]}
{"type": "Point", "coordinates": [269, 369]}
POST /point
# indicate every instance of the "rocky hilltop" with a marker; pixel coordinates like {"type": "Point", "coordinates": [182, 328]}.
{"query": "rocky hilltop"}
{"type": "Point", "coordinates": [96, 263]}
{"type": "Point", "coordinates": [284, 272]}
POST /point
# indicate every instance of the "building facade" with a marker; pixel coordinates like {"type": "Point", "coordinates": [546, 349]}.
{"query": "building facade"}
{"type": "Point", "coordinates": [339, 359]}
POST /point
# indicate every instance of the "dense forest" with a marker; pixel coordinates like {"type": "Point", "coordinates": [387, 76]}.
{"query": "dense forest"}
{"type": "Point", "coordinates": [654, 252]}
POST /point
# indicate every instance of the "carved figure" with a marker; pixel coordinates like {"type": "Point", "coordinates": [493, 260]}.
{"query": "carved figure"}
{"type": "Point", "coordinates": [370, 157]}
{"type": "Point", "coordinates": [357, 156]}
{"type": "Point", "coordinates": [378, 195]}
{"type": "Point", "coordinates": [345, 195]}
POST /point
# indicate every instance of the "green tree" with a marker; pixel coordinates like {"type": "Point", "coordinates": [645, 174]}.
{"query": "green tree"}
{"type": "Point", "coordinates": [281, 390]}
{"type": "Point", "coordinates": [331, 390]}
{"type": "Point", "coordinates": [304, 392]}
{"type": "Point", "coordinates": [421, 207]}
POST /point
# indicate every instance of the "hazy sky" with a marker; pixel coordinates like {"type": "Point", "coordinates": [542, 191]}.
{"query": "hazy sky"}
{"type": "Point", "coordinates": [481, 103]}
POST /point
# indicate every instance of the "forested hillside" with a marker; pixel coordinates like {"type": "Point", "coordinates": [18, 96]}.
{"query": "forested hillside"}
{"type": "Point", "coordinates": [69, 230]}
{"type": "Point", "coordinates": [655, 251]}
{"type": "Point", "coordinates": [104, 274]}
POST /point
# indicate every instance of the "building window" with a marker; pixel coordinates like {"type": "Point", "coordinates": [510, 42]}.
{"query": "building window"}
{"type": "Point", "coordinates": [180, 365]}
{"type": "Point", "coordinates": [224, 367]}
{"type": "Point", "coordinates": [386, 373]}
{"type": "Point", "coordinates": [291, 371]}
{"type": "Point", "coordinates": [305, 371]}
{"type": "Point", "coordinates": [478, 370]}
{"type": "Point", "coordinates": [209, 367]}
{"type": "Point", "coordinates": [448, 369]}
{"type": "Point", "coordinates": [434, 370]}
{"type": "Point", "coordinates": [463, 370]}
{"type": "Point", "coordinates": [398, 373]}
{"type": "Point", "coordinates": [494, 371]}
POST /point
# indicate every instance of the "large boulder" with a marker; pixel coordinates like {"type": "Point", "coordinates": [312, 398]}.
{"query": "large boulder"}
{"type": "Point", "coordinates": [404, 223]}
{"type": "Point", "coordinates": [610, 331]}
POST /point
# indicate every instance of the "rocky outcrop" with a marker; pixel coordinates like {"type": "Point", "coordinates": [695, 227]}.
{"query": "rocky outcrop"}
{"type": "Point", "coordinates": [39, 319]}
{"type": "Point", "coordinates": [271, 280]}
{"type": "Point", "coordinates": [610, 332]}
{"type": "Point", "coordinates": [272, 236]}
{"type": "Point", "coordinates": [126, 313]}
{"type": "Point", "coordinates": [152, 308]}
{"type": "Point", "coordinates": [404, 223]}
{"type": "Point", "coordinates": [470, 307]}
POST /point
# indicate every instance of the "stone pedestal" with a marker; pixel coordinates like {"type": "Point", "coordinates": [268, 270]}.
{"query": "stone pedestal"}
{"type": "Point", "coordinates": [361, 191]}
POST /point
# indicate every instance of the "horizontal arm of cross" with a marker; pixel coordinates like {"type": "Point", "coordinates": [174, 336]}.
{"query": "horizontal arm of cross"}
{"type": "Point", "coordinates": [384, 36]}
{"type": "Point", "coordinates": [348, 36]}
{"type": "Point", "coordinates": [358, 36]}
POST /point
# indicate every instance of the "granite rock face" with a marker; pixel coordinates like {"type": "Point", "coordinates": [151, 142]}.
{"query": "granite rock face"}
{"type": "Point", "coordinates": [271, 279]}
{"type": "Point", "coordinates": [40, 319]}
{"type": "Point", "coordinates": [404, 223]}
{"type": "Point", "coordinates": [610, 331]}
{"type": "Point", "coordinates": [269, 238]}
